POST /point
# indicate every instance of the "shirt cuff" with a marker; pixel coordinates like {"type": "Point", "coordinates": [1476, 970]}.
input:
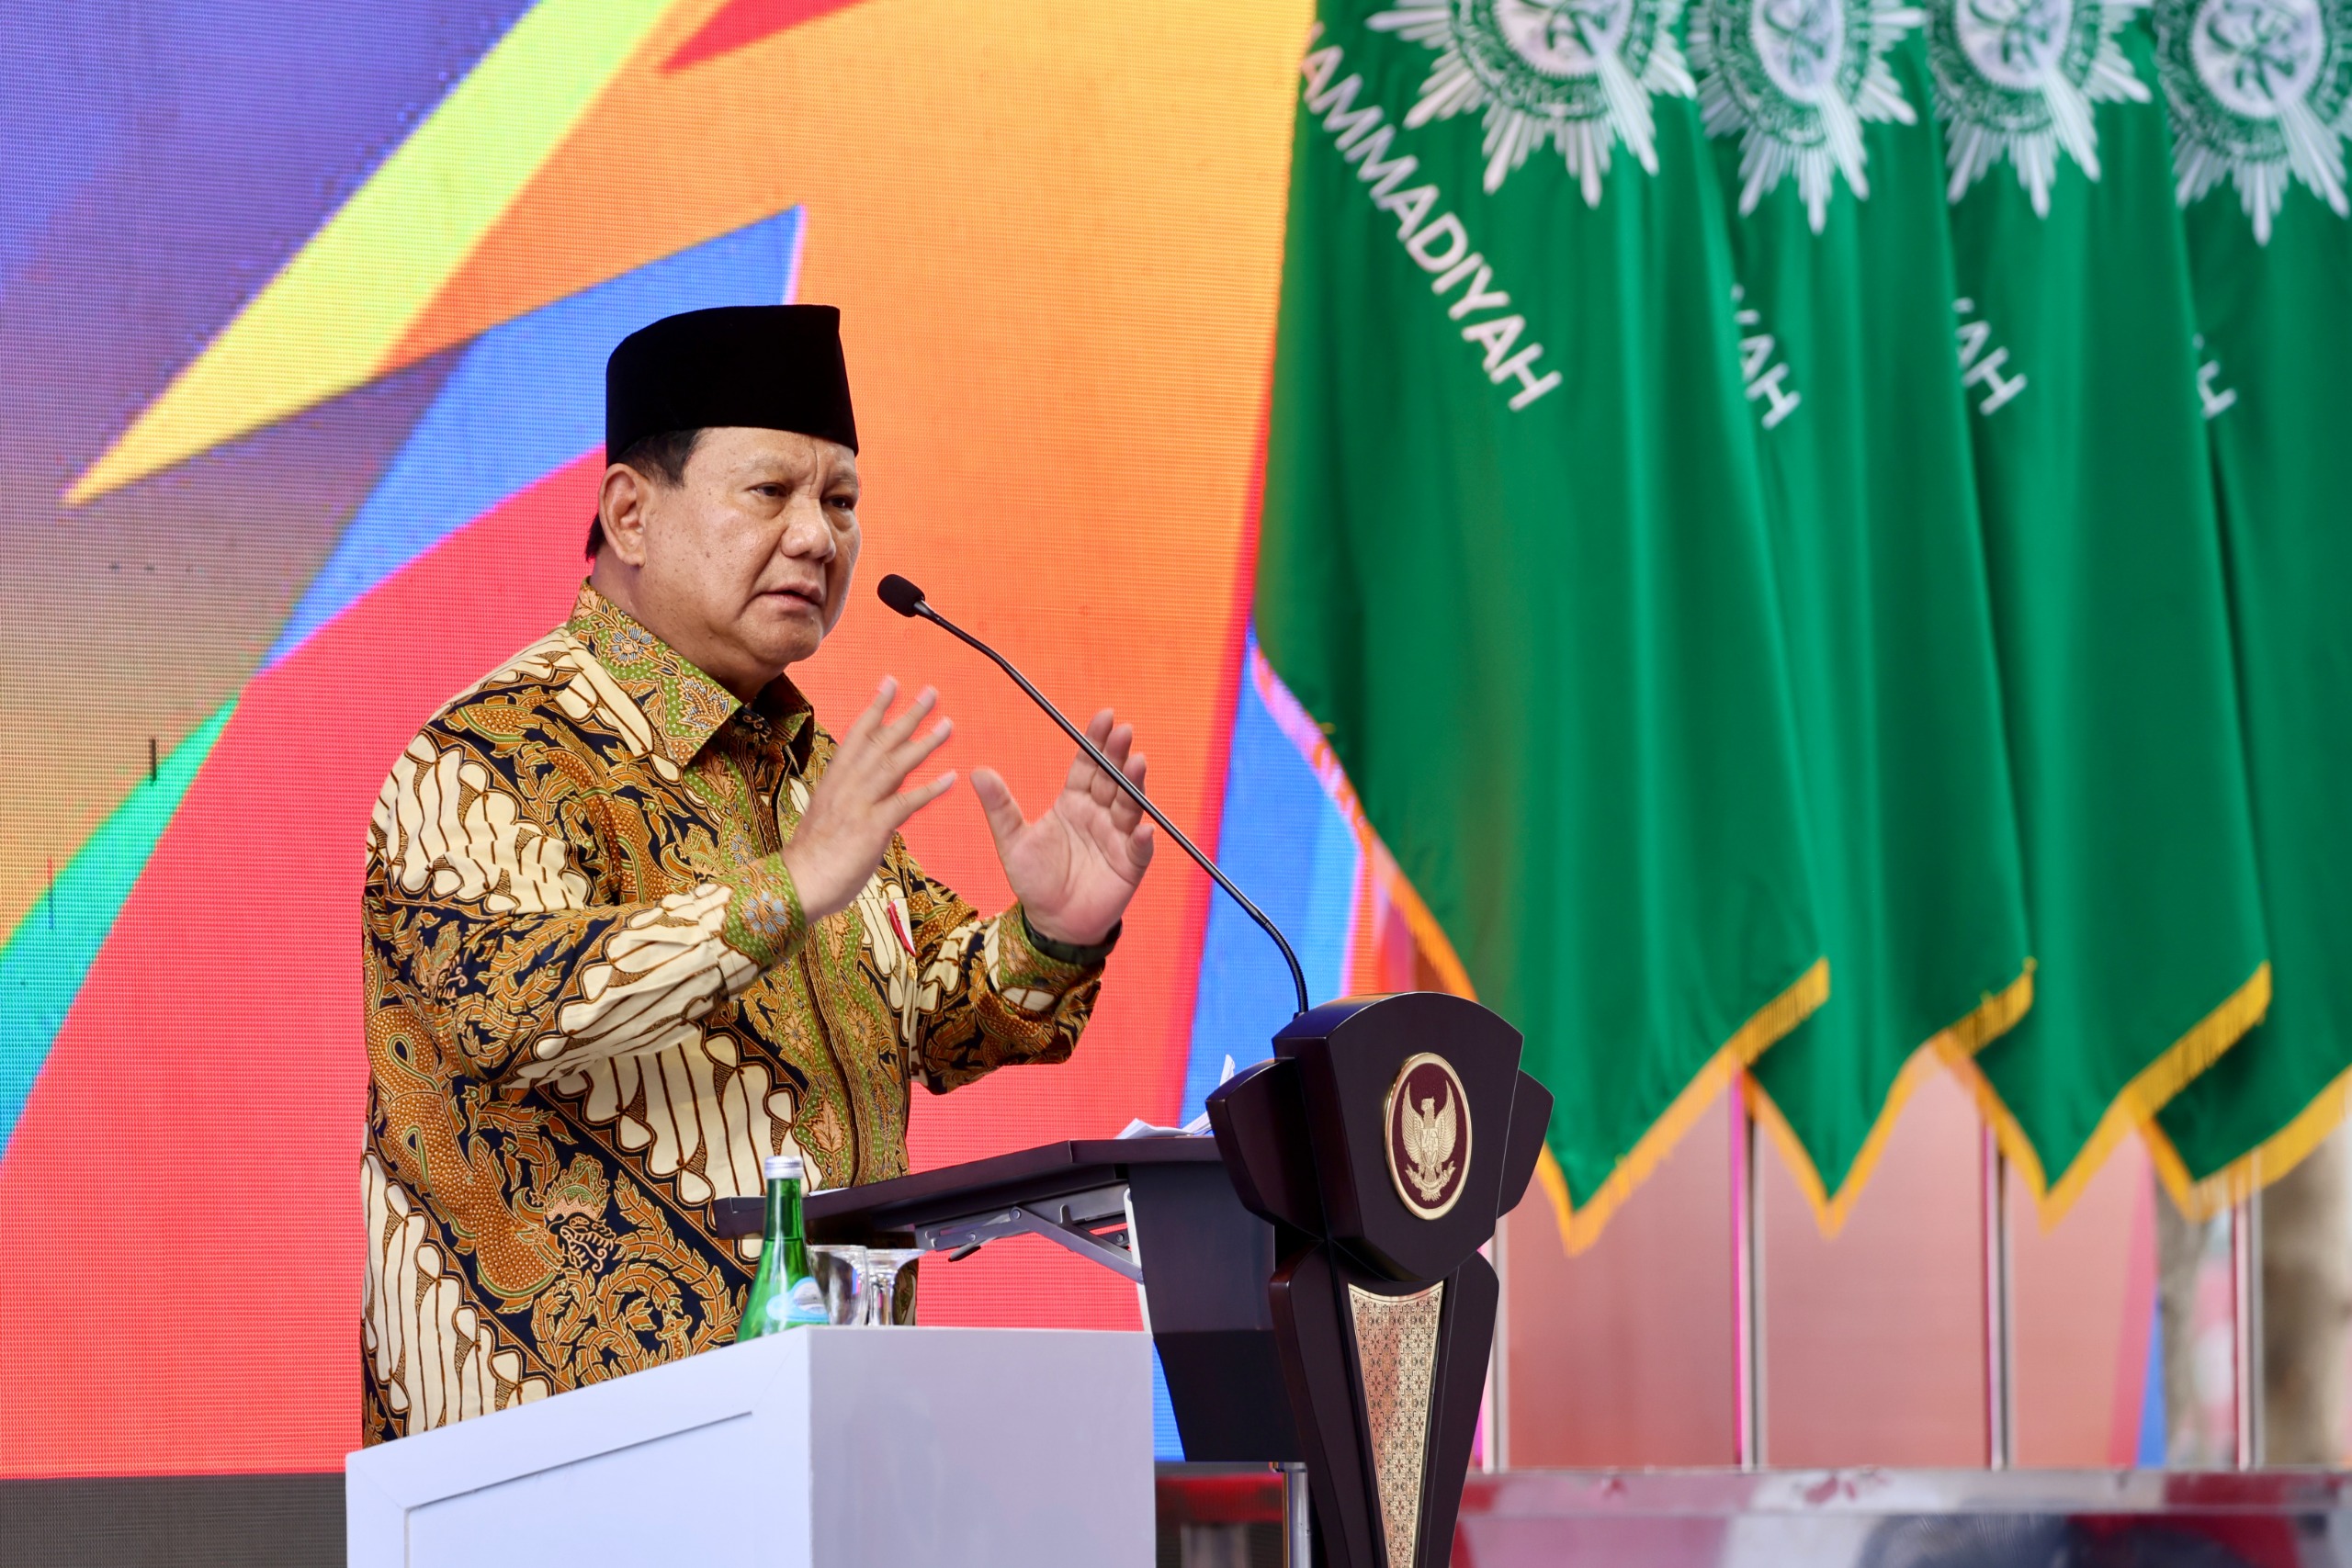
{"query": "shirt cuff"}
{"type": "Point", "coordinates": [1069, 953]}
{"type": "Point", "coordinates": [764, 920]}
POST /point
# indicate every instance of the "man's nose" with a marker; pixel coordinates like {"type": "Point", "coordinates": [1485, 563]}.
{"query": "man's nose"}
{"type": "Point", "coordinates": [807, 534]}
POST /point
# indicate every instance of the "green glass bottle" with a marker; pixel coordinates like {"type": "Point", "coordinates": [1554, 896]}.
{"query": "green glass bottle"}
{"type": "Point", "coordinates": [784, 1293]}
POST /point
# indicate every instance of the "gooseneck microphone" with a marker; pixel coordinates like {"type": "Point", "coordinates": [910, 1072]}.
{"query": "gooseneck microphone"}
{"type": "Point", "coordinates": [908, 600]}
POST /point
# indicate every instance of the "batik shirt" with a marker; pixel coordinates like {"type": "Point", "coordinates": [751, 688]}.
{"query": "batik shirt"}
{"type": "Point", "coordinates": [594, 1004]}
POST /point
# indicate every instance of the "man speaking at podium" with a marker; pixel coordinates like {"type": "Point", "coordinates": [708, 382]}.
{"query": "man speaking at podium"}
{"type": "Point", "coordinates": [634, 920]}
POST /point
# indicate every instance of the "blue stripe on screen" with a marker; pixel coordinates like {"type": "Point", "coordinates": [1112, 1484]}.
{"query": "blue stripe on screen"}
{"type": "Point", "coordinates": [527, 398]}
{"type": "Point", "coordinates": [1285, 843]}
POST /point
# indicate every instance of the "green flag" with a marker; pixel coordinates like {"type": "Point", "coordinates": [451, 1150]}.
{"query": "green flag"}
{"type": "Point", "coordinates": [1514, 555]}
{"type": "Point", "coordinates": [1839, 244]}
{"type": "Point", "coordinates": [2076, 347]}
{"type": "Point", "coordinates": [2259, 91]}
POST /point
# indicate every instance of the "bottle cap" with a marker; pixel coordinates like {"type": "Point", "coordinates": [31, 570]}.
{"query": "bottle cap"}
{"type": "Point", "coordinates": [782, 1167]}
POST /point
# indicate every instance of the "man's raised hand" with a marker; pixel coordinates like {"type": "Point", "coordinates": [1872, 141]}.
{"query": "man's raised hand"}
{"type": "Point", "coordinates": [862, 800]}
{"type": "Point", "coordinates": [1075, 868]}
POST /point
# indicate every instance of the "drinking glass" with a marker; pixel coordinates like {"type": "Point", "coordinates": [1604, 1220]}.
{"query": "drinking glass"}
{"type": "Point", "coordinates": [891, 1285]}
{"type": "Point", "coordinates": [842, 1273]}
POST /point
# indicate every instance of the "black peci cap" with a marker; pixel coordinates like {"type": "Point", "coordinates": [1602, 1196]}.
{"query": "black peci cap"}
{"type": "Point", "coordinates": [765, 366]}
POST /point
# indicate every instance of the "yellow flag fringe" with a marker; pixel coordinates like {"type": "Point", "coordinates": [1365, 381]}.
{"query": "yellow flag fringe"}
{"type": "Point", "coordinates": [1993, 1017]}
{"type": "Point", "coordinates": [2133, 1108]}
{"type": "Point", "coordinates": [2259, 1167]}
{"type": "Point", "coordinates": [1954, 1047]}
{"type": "Point", "coordinates": [1581, 1226]}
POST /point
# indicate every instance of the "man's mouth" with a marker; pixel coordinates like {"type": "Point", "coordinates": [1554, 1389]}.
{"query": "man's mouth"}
{"type": "Point", "coordinates": [808, 596]}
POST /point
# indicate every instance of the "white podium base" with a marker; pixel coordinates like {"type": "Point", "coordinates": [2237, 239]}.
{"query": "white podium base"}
{"type": "Point", "coordinates": [822, 1448]}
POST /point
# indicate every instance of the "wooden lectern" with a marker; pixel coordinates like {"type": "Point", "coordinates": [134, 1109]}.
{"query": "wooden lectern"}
{"type": "Point", "coordinates": [1384, 1140]}
{"type": "Point", "coordinates": [1312, 1279]}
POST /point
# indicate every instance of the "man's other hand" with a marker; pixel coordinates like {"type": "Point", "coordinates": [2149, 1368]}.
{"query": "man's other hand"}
{"type": "Point", "coordinates": [862, 800]}
{"type": "Point", "coordinates": [1074, 868]}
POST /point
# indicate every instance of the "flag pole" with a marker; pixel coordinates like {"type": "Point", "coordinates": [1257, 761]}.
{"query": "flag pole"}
{"type": "Point", "coordinates": [1747, 1309]}
{"type": "Point", "coordinates": [1493, 1410]}
{"type": "Point", "coordinates": [1999, 1442]}
{"type": "Point", "coordinates": [2245, 1325]}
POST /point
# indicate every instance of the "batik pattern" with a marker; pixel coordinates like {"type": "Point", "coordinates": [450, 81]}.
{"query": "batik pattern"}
{"type": "Point", "coordinates": [593, 1003]}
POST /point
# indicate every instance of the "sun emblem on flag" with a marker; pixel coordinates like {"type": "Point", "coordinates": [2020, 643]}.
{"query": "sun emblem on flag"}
{"type": "Point", "coordinates": [2015, 79]}
{"type": "Point", "coordinates": [1795, 79]}
{"type": "Point", "coordinates": [2261, 92]}
{"type": "Point", "coordinates": [1577, 73]}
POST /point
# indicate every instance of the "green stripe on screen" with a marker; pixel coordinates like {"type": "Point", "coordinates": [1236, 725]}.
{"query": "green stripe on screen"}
{"type": "Point", "coordinates": [53, 946]}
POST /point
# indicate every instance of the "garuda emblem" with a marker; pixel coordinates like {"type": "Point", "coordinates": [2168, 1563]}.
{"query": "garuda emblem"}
{"type": "Point", "coordinates": [1429, 1135]}
{"type": "Point", "coordinates": [1795, 80]}
{"type": "Point", "coordinates": [1576, 74]}
{"type": "Point", "coordinates": [2261, 94]}
{"type": "Point", "coordinates": [2015, 79]}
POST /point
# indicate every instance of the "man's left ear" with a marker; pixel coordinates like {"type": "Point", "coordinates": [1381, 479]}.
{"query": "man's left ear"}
{"type": "Point", "coordinates": [621, 503]}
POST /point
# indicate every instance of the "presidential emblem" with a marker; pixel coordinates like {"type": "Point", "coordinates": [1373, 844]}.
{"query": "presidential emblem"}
{"type": "Point", "coordinates": [2015, 79]}
{"type": "Point", "coordinates": [1795, 80]}
{"type": "Point", "coordinates": [1428, 1134]}
{"type": "Point", "coordinates": [2261, 93]}
{"type": "Point", "coordinates": [1577, 73]}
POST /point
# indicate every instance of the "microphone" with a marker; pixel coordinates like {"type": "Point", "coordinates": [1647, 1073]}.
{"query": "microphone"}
{"type": "Point", "coordinates": [908, 600]}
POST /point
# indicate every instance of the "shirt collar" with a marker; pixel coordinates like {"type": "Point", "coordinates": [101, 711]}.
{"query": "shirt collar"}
{"type": "Point", "coordinates": [686, 706]}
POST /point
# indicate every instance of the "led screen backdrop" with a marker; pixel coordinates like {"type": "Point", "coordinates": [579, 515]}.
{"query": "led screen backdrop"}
{"type": "Point", "coordinates": [304, 309]}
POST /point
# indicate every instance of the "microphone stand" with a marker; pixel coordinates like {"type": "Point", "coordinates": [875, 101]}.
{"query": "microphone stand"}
{"type": "Point", "coordinates": [908, 600]}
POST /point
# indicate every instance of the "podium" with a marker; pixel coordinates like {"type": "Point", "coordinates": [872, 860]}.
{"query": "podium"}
{"type": "Point", "coordinates": [824, 1448]}
{"type": "Point", "coordinates": [1384, 1140]}
{"type": "Point", "coordinates": [1311, 1278]}
{"type": "Point", "coordinates": [1161, 1212]}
